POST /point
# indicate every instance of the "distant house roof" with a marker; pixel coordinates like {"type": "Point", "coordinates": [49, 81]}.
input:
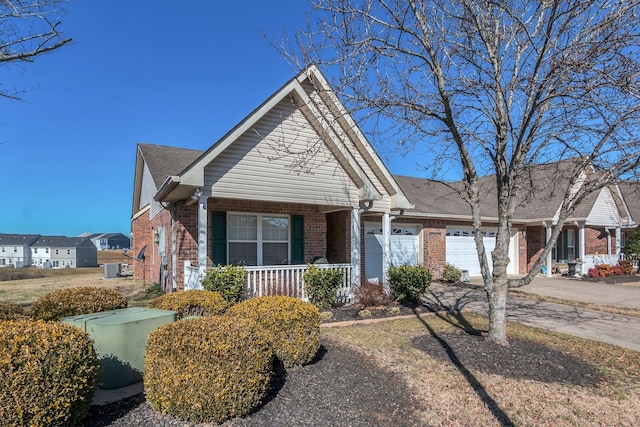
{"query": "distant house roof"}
{"type": "Point", "coordinates": [18, 239]}
{"type": "Point", "coordinates": [60, 241]}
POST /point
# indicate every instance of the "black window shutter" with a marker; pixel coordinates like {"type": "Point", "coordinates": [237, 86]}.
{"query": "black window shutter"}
{"type": "Point", "coordinates": [297, 239]}
{"type": "Point", "coordinates": [219, 238]}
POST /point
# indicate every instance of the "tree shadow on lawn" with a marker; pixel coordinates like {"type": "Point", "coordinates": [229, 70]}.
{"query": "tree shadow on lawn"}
{"type": "Point", "coordinates": [469, 350]}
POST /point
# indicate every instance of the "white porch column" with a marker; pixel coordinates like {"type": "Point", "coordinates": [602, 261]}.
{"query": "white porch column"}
{"type": "Point", "coordinates": [581, 248]}
{"type": "Point", "coordinates": [608, 241]}
{"type": "Point", "coordinates": [618, 232]}
{"type": "Point", "coordinates": [202, 232]}
{"type": "Point", "coordinates": [386, 249]}
{"type": "Point", "coordinates": [355, 246]}
{"type": "Point", "coordinates": [549, 260]}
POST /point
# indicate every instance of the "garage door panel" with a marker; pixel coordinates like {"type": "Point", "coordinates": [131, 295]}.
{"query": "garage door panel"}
{"type": "Point", "coordinates": [461, 249]}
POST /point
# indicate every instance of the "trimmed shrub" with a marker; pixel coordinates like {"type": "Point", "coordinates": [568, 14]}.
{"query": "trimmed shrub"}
{"type": "Point", "coordinates": [12, 312]}
{"type": "Point", "coordinates": [290, 325]}
{"type": "Point", "coordinates": [75, 301]}
{"type": "Point", "coordinates": [371, 294]}
{"type": "Point", "coordinates": [616, 270]}
{"type": "Point", "coordinates": [407, 283]}
{"type": "Point", "coordinates": [626, 266]}
{"type": "Point", "coordinates": [230, 281]}
{"type": "Point", "coordinates": [322, 285]}
{"type": "Point", "coordinates": [209, 369]}
{"type": "Point", "coordinates": [48, 373]}
{"type": "Point", "coordinates": [192, 303]}
{"type": "Point", "coordinates": [451, 274]}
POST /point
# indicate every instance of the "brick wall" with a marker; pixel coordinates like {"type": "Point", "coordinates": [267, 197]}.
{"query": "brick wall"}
{"type": "Point", "coordinates": [536, 237]}
{"type": "Point", "coordinates": [596, 241]}
{"type": "Point", "coordinates": [339, 237]}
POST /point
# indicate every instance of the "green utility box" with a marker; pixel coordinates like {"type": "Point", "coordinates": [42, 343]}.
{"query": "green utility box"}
{"type": "Point", "coordinates": [120, 337]}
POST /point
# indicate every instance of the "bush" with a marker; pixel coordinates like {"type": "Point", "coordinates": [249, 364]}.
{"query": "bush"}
{"type": "Point", "coordinates": [593, 273]}
{"type": "Point", "coordinates": [209, 369]}
{"type": "Point", "coordinates": [371, 294]}
{"type": "Point", "coordinates": [616, 270]}
{"type": "Point", "coordinates": [322, 285]}
{"type": "Point", "coordinates": [290, 325]}
{"type": "Point", "coordinates": [12, 312]}
{"type": "Point", "coordinates": [604, 270]}
{"type": "Point", "coordinates": [48, 373]}
{"type": "Point", "coordinates": [451, 274]}
{"type": "Point", "coordinates": [230, 281]}
{"type": "Point", "coordinates": [76, 301]}
{"type": "Point", "coordinates": [626, 266]}
{"type": "Point", "coordinates": [407, 283]}
{"type": "Point", "coordinates": [192, 303]}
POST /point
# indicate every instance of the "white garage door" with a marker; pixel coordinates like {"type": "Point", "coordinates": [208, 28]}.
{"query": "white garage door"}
{"type": "Point", "coordinates": [461, 250]}
{"type": "Point", "coordinates": [404, 247]}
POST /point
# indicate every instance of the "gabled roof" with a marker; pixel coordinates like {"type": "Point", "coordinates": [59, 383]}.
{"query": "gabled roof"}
{"type": "Point", "coordinates": [162, 162]}
{"type": "Point", "coordinates": [178, 186]}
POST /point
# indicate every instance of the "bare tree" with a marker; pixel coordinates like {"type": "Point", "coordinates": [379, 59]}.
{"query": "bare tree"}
{"type": "Point", "coordinates": [488, 89]}
{"type": "Point", "coordinates": [28, 29]}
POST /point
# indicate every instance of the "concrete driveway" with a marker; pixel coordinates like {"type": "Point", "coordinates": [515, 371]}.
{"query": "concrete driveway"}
{"type": "Point", "coordinates": [596, 325]}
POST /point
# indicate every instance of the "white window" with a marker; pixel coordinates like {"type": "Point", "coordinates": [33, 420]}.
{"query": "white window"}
{"type": "Point", "coordinates": [2, 261]}
{"type": "Point", "coordinates": [571, 245]}
{"type": "Point", "coordinates": [255, 239]}
{"type": "Point", "coordinates": [35, 250]}
{"type": "Point", "coordinates": [57, 252]}
{"type": "Point", "coordinates": [623, 239]}
{"type": "Point", "coordinates": [68, 251]}
{"type": "Point", "coordinates": [46, 250]}
{"type": "Point", "coordinates": [3, 249]}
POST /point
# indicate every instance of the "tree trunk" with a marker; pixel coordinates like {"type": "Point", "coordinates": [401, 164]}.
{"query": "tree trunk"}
{"type": "Point", "coordinates": [497, 297]}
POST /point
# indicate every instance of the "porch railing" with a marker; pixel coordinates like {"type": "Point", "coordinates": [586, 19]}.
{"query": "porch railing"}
{"type": "Point", "coordinates": [285, 280]}
{"type": "Point", "coordinates": [591, 260]}
{"type": "Point", "coordinates": [288, 280]}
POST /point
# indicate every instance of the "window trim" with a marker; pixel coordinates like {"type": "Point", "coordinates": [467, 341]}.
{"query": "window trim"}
{"type": "Point", "coordinates": [259, 241]}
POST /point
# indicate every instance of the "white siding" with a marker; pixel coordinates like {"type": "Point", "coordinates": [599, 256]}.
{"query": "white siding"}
{"type": "Point", "coordinates": [147, 188]}
{"type": "Point", "coordinates": [604, 211]}
{"type": "Point", "coordinates": [281, 159]}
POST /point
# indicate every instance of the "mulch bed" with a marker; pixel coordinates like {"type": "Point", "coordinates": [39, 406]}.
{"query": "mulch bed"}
{"type": "Point", "coordinates": [520, 360]}
{"type": "Point", "coordinates": [348, 312]}
{"type": "Point", "coordinates": [613, 280]}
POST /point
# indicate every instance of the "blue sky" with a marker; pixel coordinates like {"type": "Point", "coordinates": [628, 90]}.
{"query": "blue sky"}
{"type": "Point", "coordinates": [168, 73]}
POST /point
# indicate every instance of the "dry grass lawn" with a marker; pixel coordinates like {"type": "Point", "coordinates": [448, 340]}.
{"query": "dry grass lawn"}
{"type": "Point", "coordinates": [455, 394]}
{"type": "Point", "coordinates": [25, 292]}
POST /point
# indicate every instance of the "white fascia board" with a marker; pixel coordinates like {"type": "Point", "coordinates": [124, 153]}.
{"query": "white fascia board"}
{"type": "Point", "coordinates": [167, 187]}
{"type": "Point", "coordinates": [399, 199]}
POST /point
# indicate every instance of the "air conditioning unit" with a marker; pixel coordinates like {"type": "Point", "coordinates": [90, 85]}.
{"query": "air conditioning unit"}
{"type": "Point", "coordinates": [111, 270]}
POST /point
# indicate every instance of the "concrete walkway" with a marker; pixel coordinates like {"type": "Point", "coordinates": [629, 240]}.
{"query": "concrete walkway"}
{"type": "Point", "coordinates": [596, 325]}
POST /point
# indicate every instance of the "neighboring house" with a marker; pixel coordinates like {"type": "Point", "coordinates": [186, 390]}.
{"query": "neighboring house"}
{"type": "Point", "coordinates": [108, 241]}
{"type": "Point", "coordinates": [63, 252]}
{"type": "Point", "coordinates": [292, 182]}
{"type": "Point", "coordinates": [15, 249]}
{"type": "Point", "coordinates": [296, 180]}
{"type": "Point", "coordinates": [591, 234]}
